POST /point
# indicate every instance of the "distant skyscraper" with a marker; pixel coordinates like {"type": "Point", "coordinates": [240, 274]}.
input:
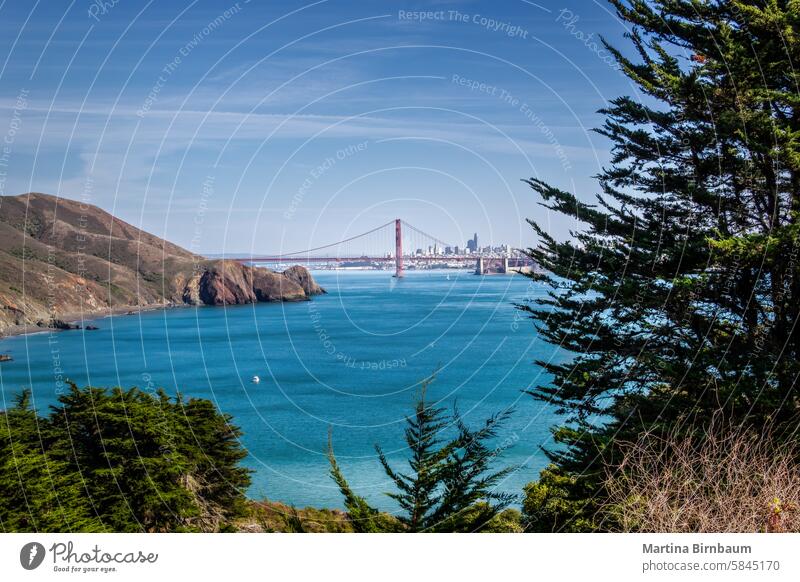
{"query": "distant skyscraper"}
{"type": "Point", "coordinates": [472, 244]}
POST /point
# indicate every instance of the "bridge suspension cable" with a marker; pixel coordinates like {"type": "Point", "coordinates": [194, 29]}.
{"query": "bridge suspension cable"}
{"type": "Point", "coordinates": [395, 240]}
{"type": "Point", "coordinates": [425, 234]}
{"type": "Point", "coordinates": [338, 243]}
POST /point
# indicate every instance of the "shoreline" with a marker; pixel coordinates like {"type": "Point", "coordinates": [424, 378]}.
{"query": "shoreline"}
{"type": "Point", "coordinates": [88, 317]}
{"type": "Point", "coordinates": [83, 319]}
{"type": "Point", "coordinates": [127, 310]}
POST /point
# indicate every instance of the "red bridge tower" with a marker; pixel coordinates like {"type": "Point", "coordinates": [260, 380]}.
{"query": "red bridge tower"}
{"type": "Point", "coordinates": [398, 248]}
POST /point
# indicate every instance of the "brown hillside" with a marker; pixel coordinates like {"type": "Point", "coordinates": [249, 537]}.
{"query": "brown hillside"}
{"type": "Point", "coordinates": [61, 259]}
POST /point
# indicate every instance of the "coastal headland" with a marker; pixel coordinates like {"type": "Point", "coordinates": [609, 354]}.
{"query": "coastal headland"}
{"type": "Point", "coordinates": [63, 260]}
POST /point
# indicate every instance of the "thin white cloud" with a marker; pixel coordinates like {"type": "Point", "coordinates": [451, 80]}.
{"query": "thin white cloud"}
{"type": "Point", "coordinates": [189, 126]}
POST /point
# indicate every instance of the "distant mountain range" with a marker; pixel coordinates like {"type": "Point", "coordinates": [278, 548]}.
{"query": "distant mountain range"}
{"type": "Point", "coordinates": [63, 260]}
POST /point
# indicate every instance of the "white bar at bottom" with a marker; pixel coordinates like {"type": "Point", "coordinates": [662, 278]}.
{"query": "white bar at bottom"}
{"type": "Point", "coordinates": [390, 557]}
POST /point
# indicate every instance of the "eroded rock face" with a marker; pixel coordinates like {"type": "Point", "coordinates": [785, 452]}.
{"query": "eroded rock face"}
{"type": "Point", "coordinates": [226, 283]}
{"type": "Point", "coordinates": [231, 283]}
{"type": "Point", "coordinates": [302, 277]}
{"type": "Point", "coordinates": [190, 289]}
{"type": "Point", "coordinates": [271, 286]}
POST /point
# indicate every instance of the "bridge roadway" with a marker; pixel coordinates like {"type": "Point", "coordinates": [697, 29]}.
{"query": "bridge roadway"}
{"type": "Point", "coordinates": [304, 259]}
{"type": "Point", "coordinates": [483, 264]}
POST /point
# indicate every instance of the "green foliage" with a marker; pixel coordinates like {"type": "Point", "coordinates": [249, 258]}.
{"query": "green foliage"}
{"type": "Point", "coordinates": [450, 486]}
{"type": "Point", "coordinates": [119, 460]}
{"type": "Point", "coordinates": [210, 444]}
{"type": "Point", "coordinates": [37, 493]}
{"type": "Point", "coordinates": [680, 294]}
{"type": "Point", "coordinates": [555, 503]}
{"type": "Point", "coordinates": [507, 521]}
{"type": "Point", "coordinates": [418, 493]}
{"type": "Point", "coordinates": [364, 517]}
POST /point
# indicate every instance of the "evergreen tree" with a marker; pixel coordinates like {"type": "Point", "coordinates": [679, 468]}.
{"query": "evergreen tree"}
{"type": "Point", "coordinates": [123, 444]}
{"type": "Point", "coordinates": [450, 486]}
{"type": "Point", "coordinates": [680, 295]}
{"type": "Point", "coordinates": [37, 493]}
{"type": "Point", "coordinates": [210, 443]}
{"type": "Point", "coordinates": [420, 492]}
{"type": "Point", "coordinates": [364, 517]}
{"type": "Point", "coordinates": [120, 460]}
{"type": "Point", "coordinates": [469, 500]}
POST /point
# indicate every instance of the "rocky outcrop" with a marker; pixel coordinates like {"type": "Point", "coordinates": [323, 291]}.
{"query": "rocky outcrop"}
{"type": "Point", "coordinates": [226, 283]}
{"type": "Point", "coordinates": [302, 277]}
{"type": "Point", "coordinates": [230, 283]}
{"type": "Point", "coordinates": [57, 324]}
{"type": "Point", "coordinates": [61, 259]}
{"type": "Point", "coordinates": [271, 286]}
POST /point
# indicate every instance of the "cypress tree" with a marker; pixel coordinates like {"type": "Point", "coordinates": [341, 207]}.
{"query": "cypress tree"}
{"type": "Point", "coordinates": [120, 460]}
{"type": "Point", "coordinates": [211, 445]}
{"type": "Point", "coordinates": [451, 484]}
{"type": "Point", "coordinates": [679, 296]}
{"type": "Point", "coordinates": [37, 492]}
{"type": "Point", "coordinates": [363, 517]}
{"type": "Point", "coordinates": [122, 443]}
{"type": "Point", "coordinates": [419, 492]}
{"type": "Point", "coordinates": [470, 500]}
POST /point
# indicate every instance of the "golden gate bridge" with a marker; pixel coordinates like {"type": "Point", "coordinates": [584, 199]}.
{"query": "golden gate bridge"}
{"type": "Point", "coordinates": [399, 243]}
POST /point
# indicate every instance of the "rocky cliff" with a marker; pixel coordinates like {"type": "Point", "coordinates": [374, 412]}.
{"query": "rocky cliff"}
{"type": "Point", "coordinates": [61, 259]}
{"type": "Point", "coordinates": [229, 283]}
{"type": "Point", "coordinates": [302, 277]}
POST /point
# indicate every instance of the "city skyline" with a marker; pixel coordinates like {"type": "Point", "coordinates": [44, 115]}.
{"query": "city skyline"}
{"type": "Point", "coordinates": [471, 247]}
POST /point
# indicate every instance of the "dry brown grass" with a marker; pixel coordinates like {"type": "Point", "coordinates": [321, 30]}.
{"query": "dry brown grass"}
{"type": "Point", "coordinates": [271, 516]}
{"type": "Point", "coordinates": [726, 479]}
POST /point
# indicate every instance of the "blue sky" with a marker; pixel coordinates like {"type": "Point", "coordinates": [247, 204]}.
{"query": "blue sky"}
{"type": "Point", "coordinates": [275, 126]}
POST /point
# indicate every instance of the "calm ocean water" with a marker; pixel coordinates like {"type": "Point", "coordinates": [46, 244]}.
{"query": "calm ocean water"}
{"type": "Point", "coordinates": [351, 360]}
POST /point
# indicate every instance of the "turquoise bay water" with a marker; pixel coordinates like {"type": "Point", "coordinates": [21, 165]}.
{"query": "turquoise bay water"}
{"type": "Point", "coordinates": [351, 360]}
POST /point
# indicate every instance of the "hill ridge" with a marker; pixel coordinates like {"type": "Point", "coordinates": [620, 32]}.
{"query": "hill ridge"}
{"type": "Point", "coordinates": [63, 259]}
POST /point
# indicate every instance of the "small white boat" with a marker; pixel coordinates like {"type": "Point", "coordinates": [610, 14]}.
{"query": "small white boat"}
{"type": "Point", "coordinates": [256, 380]}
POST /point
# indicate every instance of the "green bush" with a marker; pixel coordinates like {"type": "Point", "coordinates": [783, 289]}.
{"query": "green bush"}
{"type": "Point", "coordinates": [552, 505]}
{"type": "Point", "coordinates": [119, 460]}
